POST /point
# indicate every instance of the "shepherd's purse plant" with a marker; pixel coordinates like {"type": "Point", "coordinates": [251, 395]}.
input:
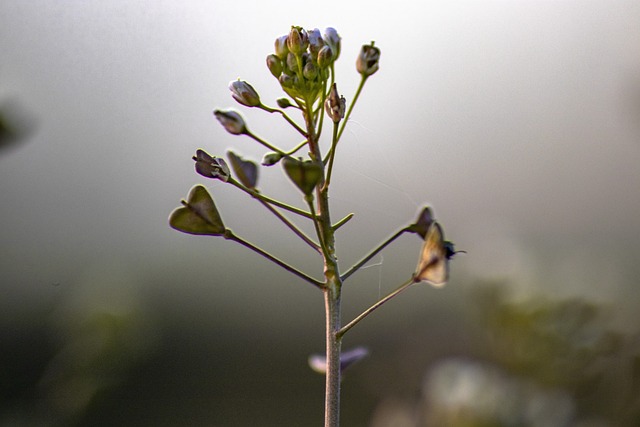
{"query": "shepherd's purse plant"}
{"type": "Point", "coordinates": [303, 64]}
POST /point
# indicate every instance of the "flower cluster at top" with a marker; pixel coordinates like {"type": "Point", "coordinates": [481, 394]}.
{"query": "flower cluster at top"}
{"type": "Point", "coordinates": [303, 62]}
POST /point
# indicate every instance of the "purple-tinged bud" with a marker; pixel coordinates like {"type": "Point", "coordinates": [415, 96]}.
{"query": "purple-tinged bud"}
{"type": "Point", "coordinates": [281, 47]}
{"type": "Point", "coordinates": [287, 81]}
{"type": "Point", "coordinates": [325, 57]}
{"type": "Point", "coordinates": [332, 38]}
{"type": "Point", "coordinates": [335, 105]}
{"type": "Point", "coordinates": [232, 121]}
{"type": "Point", "coordinates": [298, 41]}
{"type": "Point", "coordinates": [244, 93]}
{"type": "Point", "coordinates": [211, 167]}
{"type": "Point", "coordinates": [315, 42]}
{"type": "Point", "coordinates": [368, 60]}
{"type": "Point", "coordinates": [274, 64]}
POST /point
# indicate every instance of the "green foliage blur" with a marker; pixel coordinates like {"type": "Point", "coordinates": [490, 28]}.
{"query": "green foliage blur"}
{"type": "Point", "coordinates": [135, 358]}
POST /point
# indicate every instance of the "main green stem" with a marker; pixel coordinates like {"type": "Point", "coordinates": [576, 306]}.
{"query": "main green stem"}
{"type": "Point", "coordinates": [333, 344]}
{"type": "Point", "coordinates": [332, 288]}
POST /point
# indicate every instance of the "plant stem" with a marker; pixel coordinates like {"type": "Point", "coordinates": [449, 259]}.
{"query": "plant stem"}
{"type": "Point", "coordinates": [368, 311]}
{"type": "Point", "coordinates": [285, 116]}
{"type": "Point", "coordinates": [228, 234]}
{"type": "Point", "coordinates": [316, 224]}
{"type": "Point", "coordinates": [371, 254]}
{"type": "Point", "coordinates": [342, 222]}
{"type": "Point", "coordinates": [296, 148]}
{"type": "Point", "coordinates": [320, 110]}
{"type": "Point", "coordinates": [333, 348]}
{"type": "Point", "coordinates": [292, 226]}
{"type": "Point", "coordinates": [346, 117]}
{"type": "Point", "coordinates": [332, 155]}
{"type": "Point", "coordinates": [353, 103]}
{"type": "Point", "coordinates": [333, 284]}
{"type": "Point", "coordinates": [263, 142]}
{"type": "Point", "coordinates": [257, 195]}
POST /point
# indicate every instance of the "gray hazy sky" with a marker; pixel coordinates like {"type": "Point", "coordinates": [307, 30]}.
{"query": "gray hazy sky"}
{"type": "Point", "coordinates": [518, 121]}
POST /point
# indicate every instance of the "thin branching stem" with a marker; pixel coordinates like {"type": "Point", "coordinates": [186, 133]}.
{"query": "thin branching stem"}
{"type": "Point", "coordinates": [332, 156]}
{"type": "Point", "coordinates": [370, 310]}
{"type": "Point", "coordinates": [316, 224]}
{"type": "Point", "coordinates": [351, 105]}
{"type": "Point", "coordinates": [371, 254]}
{"type": "Point", "coordinates": [333, 74]}
{"type": "Point", "coordinates": [342, 222]}
{"type": "Point", "coordinates": [296, 148]}
{"type": "Point", "coordinates": [321, 110]}
{"type": "Point", "coordinates": [286, 117]}
{"type": "Point", "coordinates": [292, 226]}
{"type": "Point", "coordinates": [230, 236]}
{"type": "Point", "coordinates": [257, 195]}
{"type": "Point", "coordinates": [346, 117]}
{"type": "Point", "coordinates": [264, 143]}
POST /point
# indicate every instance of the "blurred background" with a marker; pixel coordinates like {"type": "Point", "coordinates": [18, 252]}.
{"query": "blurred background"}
{"type": "Point", "coordinates": [518, 121]}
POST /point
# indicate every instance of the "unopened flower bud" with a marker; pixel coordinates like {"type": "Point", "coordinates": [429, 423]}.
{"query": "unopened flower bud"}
{"type": "Point", "coordinates": [335, 105]}
{"type": "Point", "coordinates": [332, 38]}
{"type": "Point", "coordinates": [325, 56]}
{"type": "Point", "coordinates": [283, 102]}
{"type": "Point", "coordinates": [281, 47]}
{"type": "Point", "coordinates": [244, 93]}
{"type": "Point", "coordinates": [232, 121]}
{"type": "Point", "coordinates": [286, 81]}
{"type": "Point", "coordinates": [310, 71]}
{"type": "Point", "coordinates": [315, 42]}
{"type": "Point", "coordinates": [271, 159]}
{"type": "Point", "coordinates": [274, 64]}
{"type": "Point", "coordinates": [298, 41]}
{"type": "Point", "coordinates": [368, 60]}
{"type": "Point", "coordinates": [292, 62]}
